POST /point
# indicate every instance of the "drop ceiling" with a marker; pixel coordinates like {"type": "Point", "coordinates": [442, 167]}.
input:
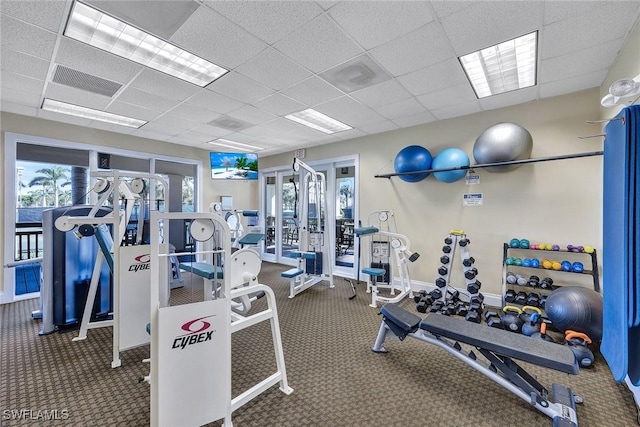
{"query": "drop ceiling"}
{"type": "Point", "coordinates": [376, 66]}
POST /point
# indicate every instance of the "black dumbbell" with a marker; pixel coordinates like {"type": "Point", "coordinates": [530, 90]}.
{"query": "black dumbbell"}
{"type": "Point", "coordinates": [442, 270]}
{"type": "Point", "coordinates": [474, 287]}
{"type": "Point", "coordinates": [521, 298]}
{"type": "Point", "coordinates": [468, 262]}
{"type": "Point", "coordinates": [493, 319]}
{"type": "Point", "coordinates": [534, 281]}
{"type": "Point", "coordinates": [476, 307]}
{"type": "Point", "coordinates": [446, 249]}
{"type": "Point", "coordinates": [440, 282]}
{"type": "Point", "coordinates": [479, 298]}
{"type": "Point", "coordinates": [427, 299]}
{"type": "Point", "coordinates": [510, 296]}
{"type": "Point", "coordinates": [436, 294]}
{"type": "Point", "coordinates": [461, 308]}
{"type": "Point", "coordinates": [543, 301]}
{"type": "Point", "coordinates": [448, 240]}
{"type": "Point", "coordinates": [471, 273]}
{"type": "Point", "coordinates": [546, 283]}
{"type": "Point", "coordinates": [464, 242]}
{"type": "Point", "coordinates": [417, 296]}
{"type": "Point", "coordinates": [451, 308]}
{"type": "Point", "coordinates": [533, 299]}
{"type": "Point", "coordinates": [436, 306]}
{"type": "Point", "coordinates": [444, 259]}
{"type": "Point", "coordinates": [422, 307]}
{"type": "Point", "coordinates": [453, 295]}
{"type": "Point", "coordinates": [473, 316]}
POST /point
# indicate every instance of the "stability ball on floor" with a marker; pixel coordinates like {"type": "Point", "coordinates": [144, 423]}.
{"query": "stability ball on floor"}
{"type": "Point", "coordinates": [450, 158]}
{"type": "Point", "coordinates": [576, 308]}
{"type": "Point", "coordinates": [503, 142]}
{"type": "Point", "coordinates": [410, 159]}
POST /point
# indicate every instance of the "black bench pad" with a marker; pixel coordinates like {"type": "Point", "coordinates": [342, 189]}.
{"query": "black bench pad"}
{"type": "Point", "coordinates": [400, 318]}
{"type": "Point", "coordinates": [505, 343]}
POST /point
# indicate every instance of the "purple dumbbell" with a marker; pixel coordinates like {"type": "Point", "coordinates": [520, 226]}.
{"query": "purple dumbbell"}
{"type": "Point", "coordinates": [575, 248]}
{"type": "Point", "coordinates": [555, 248]}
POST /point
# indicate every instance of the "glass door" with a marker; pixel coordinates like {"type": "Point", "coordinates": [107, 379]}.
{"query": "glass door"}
{"type": "Point", "coordinates": [289, 221]}
{"type": "Point", "coordinates": [269, 209]}
{"type": "Point", "coordinates": [344, 191]}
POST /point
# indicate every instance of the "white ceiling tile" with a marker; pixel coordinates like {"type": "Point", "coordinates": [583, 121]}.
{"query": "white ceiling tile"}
{"type": "Point", "coordinates": [374, 23]}
{"type": "Point", "coordinates": [428, 45]}
{"type": "Point", "coordinates": [326, 4]}
{"type": "Point", "coordinates": [313, 91]}
{"type": "Point", "coordinates": [132, 95]}
{"type": "Point", "coordinates": [164, 85]}
{"type": "Point", "coordinates": [192, 112]}
{"type": "Point", "coordinates": [279, 104]}
{"type": "Point", "coordinates": [24, 110]}
{"type": "Point", "coordinates": [447, 7]}
{"type": "Point", "coordinates": [586, 31]}
{"type": "Point", "coordinates": [45, 14]}
{"type": "Point", "coordinates": [379, 127]}
{"type": "Point", "coordinates": [164, 129]}
{"type": "Point", "coordinates": [457, 110]}
{"type": "Point", "coordinates": [76, 96]}
{"type": "Point", "coordinates": [319, 45]}
{"type": "Point", "coordinates": [559, 10]}
{"type": "Point", "coordinates": [239, 87]}
{"type": "Point", "coordinates": [349, 111]}
{"type": "Point", "coordinates": [29, 39]}
{"type": "Point", "coordinates": [574, 84]}
{"type": "Point", "coordinates": [24, 83]}
{"type": "Point", "coordinates": [348, 134]}
{"type": "Point", "coordinates": [216, 39]}
{"type": "Point", "coordinates": [510, 98]}
{"type": "Point", "coordinates": [195, 136]}
{"type": "Point", "coordinates": [415, 120]}
{"type": "Point", "coordinates": [446, 74]}
{"type": "Point", "coordinates": [25, 65]}
{"type": "Point", "coordinates": [18, 96]}
{"type": "Point", "coordinates": [91, 60]}
{"type": "Point", "coordinates": [448, 97]}
{"type": "Point", "coordinates": [170, 121]}
{"type": "Point", "coordinates": [273, 69]}
{"type": "Point", "coordinates": [383, 93]}
{"type": "Point", "coordinates": [64, 118]}
{"type": "Point", "coordinates": [405, 108]}
{"type": "Point", "coordinates": [183, 141]}
{"type": "Point", "coordinates": [134, 111]}
{"type": "Point", "coordinates": [579, 62]}
{"type": "Point", "coordinates": [269, 20]}
{"type": "Point", "coordinates": [483, 24]}
{"type": "Point", "coordinates": [213, 131]}
{"type": "Point", "coordinates": [251, 114]}
{"type": "Point", "coordinates": [277, 127]}
{"type": "Point", "coordinates": [214, 101]}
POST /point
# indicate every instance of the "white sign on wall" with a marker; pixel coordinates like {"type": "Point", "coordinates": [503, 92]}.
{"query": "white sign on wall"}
{"type": "Point", "coordinates": [472, 177]}
{"type": "Point", "coordinates": [472, 199]}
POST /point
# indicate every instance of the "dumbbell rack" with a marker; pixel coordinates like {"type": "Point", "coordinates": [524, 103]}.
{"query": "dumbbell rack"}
{"type": "Point", "coordinates": [446, 299]}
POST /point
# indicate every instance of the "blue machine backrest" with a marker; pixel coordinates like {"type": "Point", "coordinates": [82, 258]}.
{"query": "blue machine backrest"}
{"type": "Point", "coordinates": [105, 241]}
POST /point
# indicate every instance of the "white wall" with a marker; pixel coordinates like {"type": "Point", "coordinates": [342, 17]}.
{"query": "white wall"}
{"type": "Point", "coordinates": [555, 202]}
{"type": "Point", "coordinates": [245, 193]}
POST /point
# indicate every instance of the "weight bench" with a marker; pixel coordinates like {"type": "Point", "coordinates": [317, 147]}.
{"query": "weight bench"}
{"type": "Point", "coordinates": [499, 347]}
{"type": "Point", "coordinates": [208, 272]}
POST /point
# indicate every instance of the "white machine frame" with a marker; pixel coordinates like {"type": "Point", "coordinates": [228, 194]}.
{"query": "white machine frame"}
{"type": "Point", "coordinates": [312, 242]}
{"type": "Point", "coordinates": [125, 336]}
{"type": "Point", "coordinates": [185, 388]}
{"type": "Point", "coordinates": [402, 255]}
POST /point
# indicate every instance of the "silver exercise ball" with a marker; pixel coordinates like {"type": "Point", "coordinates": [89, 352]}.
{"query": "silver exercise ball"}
{"type": "Point", "coordinates": [503, 142]}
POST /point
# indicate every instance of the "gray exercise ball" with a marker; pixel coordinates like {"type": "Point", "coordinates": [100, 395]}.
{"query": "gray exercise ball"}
{"type": "Point", "coordinates": [576, 308]}
{"type": "Point", "coordinates": [503, 142]}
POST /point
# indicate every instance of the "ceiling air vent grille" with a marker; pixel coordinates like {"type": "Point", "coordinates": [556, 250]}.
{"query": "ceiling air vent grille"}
{"type": "Point", "coordinates": [83, 81]}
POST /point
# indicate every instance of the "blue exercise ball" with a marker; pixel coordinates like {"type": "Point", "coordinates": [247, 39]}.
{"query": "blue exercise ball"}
{"type": "Point", "coordinates": [503, 142]}
{"type": "Point", "coordinates": [576, 308]}
{"type": "Point", "coordinates": [450, 158]}
{"type": "Point", "coordinates": [410, 159]}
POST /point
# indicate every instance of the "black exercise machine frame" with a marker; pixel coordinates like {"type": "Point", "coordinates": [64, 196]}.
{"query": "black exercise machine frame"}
{"type": "Point", "coordinates": [502, 369]}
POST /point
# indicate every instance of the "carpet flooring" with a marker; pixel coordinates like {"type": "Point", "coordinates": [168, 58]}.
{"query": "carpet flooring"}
{"type": "Point", "coordinates": [337, 379]}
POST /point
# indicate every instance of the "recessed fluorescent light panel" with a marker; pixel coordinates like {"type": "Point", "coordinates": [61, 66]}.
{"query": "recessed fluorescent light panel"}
{"type": "Point", "coordinates": [234, 145]}
{"type": "Point", "coordinates": [90, 113]}
{"type": "Point", "coordinates": [100, 30]}
{"type": "Point", "coordinates": [504, 67]}
{"type": "Point", "coordinates": [318, 121]}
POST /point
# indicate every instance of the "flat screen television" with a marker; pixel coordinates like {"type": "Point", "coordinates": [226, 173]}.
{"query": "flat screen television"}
{"type": "Point", "coordinates": [234, 166]}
